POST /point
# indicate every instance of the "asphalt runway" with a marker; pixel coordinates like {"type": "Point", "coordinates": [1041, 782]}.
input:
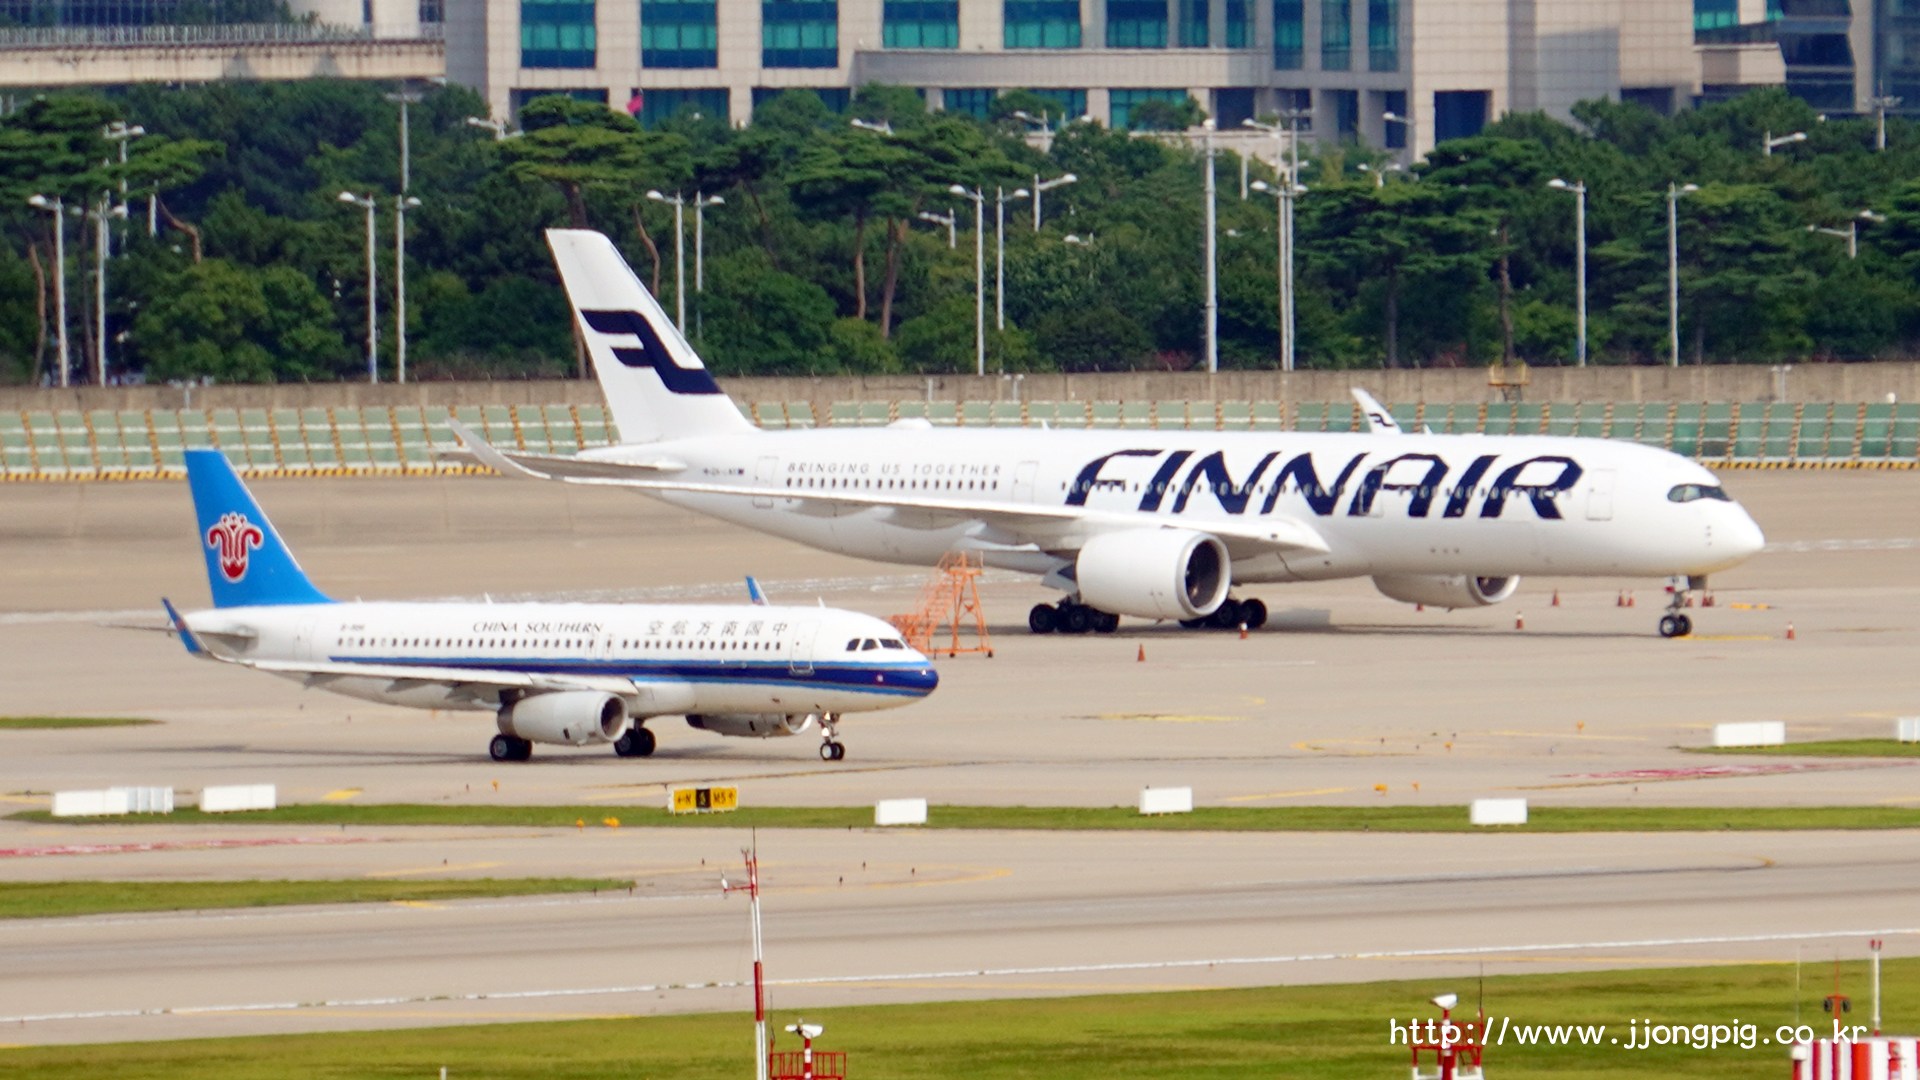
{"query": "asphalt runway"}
{"type": "Point", "coordinates": [1347, 693]}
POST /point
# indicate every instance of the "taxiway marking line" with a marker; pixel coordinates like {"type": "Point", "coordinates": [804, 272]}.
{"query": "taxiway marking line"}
{"type": "Point", "coordinates": [978, 973]}
{"type": "Point", "coordinates": [441, 869]}
{"type": "Point", "coordinates": [1286, 794]}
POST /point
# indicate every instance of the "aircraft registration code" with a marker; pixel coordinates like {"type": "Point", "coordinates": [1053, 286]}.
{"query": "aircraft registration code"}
{"type": "Point", "coordinates": [701, 800]}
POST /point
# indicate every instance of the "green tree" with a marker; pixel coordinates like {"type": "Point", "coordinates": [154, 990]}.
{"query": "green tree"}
{"type": "Point", "coordinates": [239, 325]}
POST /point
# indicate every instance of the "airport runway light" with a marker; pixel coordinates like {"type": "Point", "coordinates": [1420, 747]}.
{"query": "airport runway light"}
{"type": "Point", "coordinates": [679, 255]}
{"type": "Point", "coordinates": [1768, 142]}
{"type": "Point", "coordinates": [1001, 198]}
{"type": "Point", "coordinates": [1579, 189]}
{"type": "Point", "coordinates": [949, 220]}
{"type": "Point", "coordinates": [53, 206]}
{"type": "Point", "coordinates": [979, 274]}
{"type": "Point", "coordinates": [373, 296]}
{"type": "Point", "coordinates": [1040, 186]}
{"type": "Point", "coordinates": [1673, 269]}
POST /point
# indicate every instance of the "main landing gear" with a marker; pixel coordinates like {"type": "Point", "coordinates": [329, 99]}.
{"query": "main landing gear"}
{"type": "Point", "coordinates": [637, 742]}
{"type": "Point", "coordinates": [1070, 617]}
{"type": "Point", "coordinates": [1673, 624]}
{"type": "Point", "coordinates": [830, 748]}
{"type": "Point", "coordinates": [509, 748]}
{"type": "Point", "coordinates": [1230, 615]}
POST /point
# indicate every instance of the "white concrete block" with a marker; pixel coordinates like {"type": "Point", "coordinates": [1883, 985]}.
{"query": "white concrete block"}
{"type": "Point", "coordinates": [1907, 729]}
{"type": "Point", "coordinates": [900, 812]}
{"type": "Point", "coordinates": [1754, 733]}
{"type": "Point", "coordinates": [146, 800]}
{"type": "Point", "coordinates": [1166, 800]}
{"type": "Point", "coordinates": [89, 803]}
{"type": "Point", "coordinates": [224, 800]}
{"type": "Point", "coordinates": [1497, 812]}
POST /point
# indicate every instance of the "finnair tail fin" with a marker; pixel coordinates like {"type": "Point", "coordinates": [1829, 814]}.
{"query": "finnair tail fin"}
{"type": "Point", "coordinates": [654, 383]}
{"type": "Point", "coordinates": [1379, 419]}
{"type": "Point", "coordinates": [247, 562]}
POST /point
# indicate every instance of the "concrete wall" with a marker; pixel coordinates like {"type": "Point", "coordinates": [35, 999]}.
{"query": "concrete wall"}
{"type": "Point", "coordinates": [1805, 382]}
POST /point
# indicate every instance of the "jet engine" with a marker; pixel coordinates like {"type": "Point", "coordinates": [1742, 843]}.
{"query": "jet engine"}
{"type": "Point", "coordinates": [1446, 590]}
{"type": "Point", "coordinates": [570, 717]}
{"type": "Point", "coordinates": [751, 725]}
{"type": "Point", "coordinates": [1154, 573]}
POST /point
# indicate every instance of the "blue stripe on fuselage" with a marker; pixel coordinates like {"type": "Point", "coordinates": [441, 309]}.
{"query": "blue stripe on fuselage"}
{"type": "Point", "coordinates": [889, 681]}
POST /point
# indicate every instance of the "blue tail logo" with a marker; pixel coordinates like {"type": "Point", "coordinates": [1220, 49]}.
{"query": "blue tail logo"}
{"type": "Point", "coordinates": [247, 562]}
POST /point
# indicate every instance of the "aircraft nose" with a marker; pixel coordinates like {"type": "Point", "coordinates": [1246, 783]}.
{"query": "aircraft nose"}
{"type": "Point", "coordinates": [1744, 536]}
{"type": "Point", "coordinates": [922, 680]}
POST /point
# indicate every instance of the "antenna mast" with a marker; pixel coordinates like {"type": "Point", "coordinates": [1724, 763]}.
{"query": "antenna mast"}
{"type": "Point", "coordinates": [752, 888]}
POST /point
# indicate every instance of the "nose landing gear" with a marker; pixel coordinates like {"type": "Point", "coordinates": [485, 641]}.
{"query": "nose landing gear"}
{"type": "Point", "coordinates": [1673, 624]}
{"type": "Point", "coordinates": [830, 748]}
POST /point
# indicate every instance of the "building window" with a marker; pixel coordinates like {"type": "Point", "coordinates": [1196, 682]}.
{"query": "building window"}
{"type": "Point", "coordinates": [1346, 114]}
{"type": "Point", "coordinates": [556, 35]}
{"type": "Point", "coordinates": [835, 98]}
{"type": "Point", "coordinates": [679, 34]}
{"type": "Point", "coordinates": [1383, 35]}
{"type": "Point", "coordinates": [1459, 114]}
{"type": "Point", "coordinates": [433, 11]}
{"type": "Point", "coordinates": [1336, 35]}
{"type": "Point", "coordinates": [1289, 34]}
{"type": "Point", "coordinates": [800, 33]}
{"type": "Point", "coordinates": [1073, 103]}
{"type": "Point", "coordinates": [1395, 133]}
{"type": "Point", "coordinates": [1136, 24]}
{"type": "Point", "coordinates": [973, 101]}
{"type": "Point", "coordinates": [1125, 101]}
{"type": "Point", "coordinates": [1231, 106]}
{"type": "Point", "coordinates": [658, 105]}
{"type": "Point", "coordinates": [1714, 14]}
{"type": "Point", "coordinates": [1042, 24]}
{"type": "Point", "coordinates": [921, 24]}
{"type": "Point", "coordinates": [1239, 24]}
{"type": "Point", "coordinates": [1193, 24]}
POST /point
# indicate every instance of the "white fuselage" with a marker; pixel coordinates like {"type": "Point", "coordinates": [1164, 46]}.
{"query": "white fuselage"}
{"type": "Point", "coordinates": [1385, 503]}
{"type": "Point", "coordinates": [662, 658]}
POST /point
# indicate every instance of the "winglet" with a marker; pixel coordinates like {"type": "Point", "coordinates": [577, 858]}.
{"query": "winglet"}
{"type": "Point", "coordinates": [755, 593]}
{"type": "Point", "coordinates": [180, 627]}
{"type": "Point", "coordinates": [1379, 420]}
{"type": "Point", "coordinates": [488, 456]}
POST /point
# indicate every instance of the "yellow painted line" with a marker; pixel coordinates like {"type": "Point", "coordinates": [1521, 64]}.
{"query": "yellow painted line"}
{"type": "Point", "coordinates": [1166, 718]}
{"type": "Point", "coordinates": [1902, 798]}
{"type": "Point", "coordinates": [418, 904]}
{"type": "Point", "coordinates": [341, 795]}
{"type": "Point", "coordinates": [32, 799]}
{"type": "Point", "coordinates": [1726, 637]}
{"type": "Point", "coordinates": [441, 869]}
{"type": "Point", "coordinates": [1287, 794]}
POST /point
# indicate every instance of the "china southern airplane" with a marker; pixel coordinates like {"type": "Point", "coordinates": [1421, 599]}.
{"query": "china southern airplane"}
{"type": "Point", "coordinates": [569, 674]}
{"type": "Point", "coordinates": [1155, 524]}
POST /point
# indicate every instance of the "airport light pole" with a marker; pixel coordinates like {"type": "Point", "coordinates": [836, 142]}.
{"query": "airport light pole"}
{"type": "Point", "coordinates": [400, 207]}
{"type": "Point", "coordinates": [1881, 103]}
{"type": "Point", "coordinates": [101, 215]}
{"type": "Point", "coordinates": [373, 296]}
{"type": "Point", "coordinates": [949, 220]}
{"type": "Point", "coordinates": [404, 98]}
{"type": "Point", "coordinates": [118, 132]}
{"type": "Point", "coordinates": [1286, 161]}
{"type": "Point", "coordinates": [55, 207]}
{"type": "Point", "coordinates": [979, 275]}
{"type": "Point", "coordinates": [1001, 199]}
{"type": "Point", "coordinates": [1392, 117]}
{"type": "Point", "coordinates": [1673, 269]}
{"type": "Point", "coordinates": [679, 255]}
{"type": "Point", "coordinates": [1851, 234]}
{"type": "Point", "coordinates": [1768, 142]}
{"type": "Point", "coordinates": [1213, 260]}
{"type": "Point", "coordinates": [1040, 186]}
{"type": "Point", "coordinates": [1579, 189]}
{"type": "Point", "coordinates": [498, 127]}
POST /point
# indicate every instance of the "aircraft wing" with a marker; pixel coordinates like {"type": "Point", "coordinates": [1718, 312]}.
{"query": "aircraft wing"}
{"type": "Point", "coordinates": [528, 465]}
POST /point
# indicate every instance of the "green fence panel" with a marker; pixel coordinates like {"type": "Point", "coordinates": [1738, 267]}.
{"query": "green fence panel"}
{"type": "Point", "coordinates": [1269, 416]}
{"type": "Point", "coordinates": [1006, 414]}
{"type": "Point", "coordinates": [1904, 440]}
{"type": "Point", "coordinates": [1136, 414]}
{"type": "Point", "coordinates": [1236, 415]}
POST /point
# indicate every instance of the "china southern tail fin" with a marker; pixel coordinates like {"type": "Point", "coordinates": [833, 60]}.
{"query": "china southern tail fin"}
{"type": "Point", "coordinates": [654, 383]}
{"type": "Point", "coordinates": [247, 562]}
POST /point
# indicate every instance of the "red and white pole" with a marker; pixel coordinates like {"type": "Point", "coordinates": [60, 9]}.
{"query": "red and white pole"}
{"type": "Point", "coordinates": [759, 968]}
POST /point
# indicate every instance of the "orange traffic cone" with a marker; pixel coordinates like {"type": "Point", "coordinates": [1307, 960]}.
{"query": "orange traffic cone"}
{"type": "Point", "coordinates": [1556, 598]}
{"type": "Point", "coordinates": [1621, 599]}
{"type": "Point", "coordinates": [1790, 636]}
{"type": "Point", "coordinates": [1419, 607]}
{"type": "Point", "coordinates": [1142, 658]}
{"type": "Point", "coordinates": [1243, 631]}
{"type": "Point", "coordinates": [1707, 600]}
{"type": "Point", "coordinates": [1629, 597]}
{"type": "Point", "coordinates": [1519, 620]}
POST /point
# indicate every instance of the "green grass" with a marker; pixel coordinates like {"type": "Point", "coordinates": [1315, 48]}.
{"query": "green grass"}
{"type": "Point", "coordinates": [1826, 748]}
{"type": "Point", "coordinates": [45, 899]}
{"type": "Point", "coordinates": [1303, 1033]}
{"type": "Point", "coordinates": [34, 722]}
{"type": "Point", "coordinates": [1228, 819]}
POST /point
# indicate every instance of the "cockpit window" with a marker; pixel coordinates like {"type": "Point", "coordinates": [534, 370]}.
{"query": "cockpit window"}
{"type": "Point", "coordinates": [892, 643]}
{"type": "Point", "coordinates": [1681, 493]}
{"type": "Point", "coordinates": [854, 645]}
{"type": "Point", "coordinates": [869, 644]}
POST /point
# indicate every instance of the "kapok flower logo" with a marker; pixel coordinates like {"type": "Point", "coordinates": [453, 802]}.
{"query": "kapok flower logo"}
{"type": "Point", "coordinates": [234, 537]}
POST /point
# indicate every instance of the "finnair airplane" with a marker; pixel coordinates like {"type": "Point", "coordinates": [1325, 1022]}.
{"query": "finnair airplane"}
{"type": "Point", "coordinates": [1154, 524]}
{"type": "Point", "coordinates": [566, 674]}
